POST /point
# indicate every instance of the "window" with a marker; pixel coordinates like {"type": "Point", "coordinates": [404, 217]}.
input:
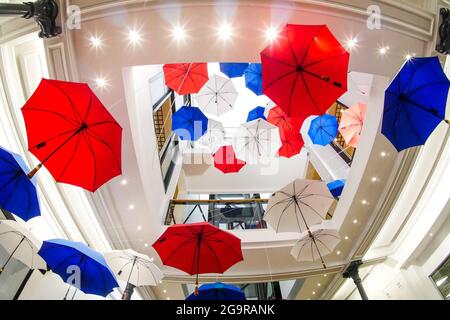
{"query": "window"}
{"type": "Point", "coordinates": [440, 277]}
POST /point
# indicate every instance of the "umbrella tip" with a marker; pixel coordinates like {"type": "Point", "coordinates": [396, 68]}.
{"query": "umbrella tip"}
{"type": "Point", "coordinates": [196, 290]}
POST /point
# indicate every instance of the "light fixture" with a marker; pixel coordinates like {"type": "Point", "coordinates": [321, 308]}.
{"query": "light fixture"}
{"type": "Point", "coordinates": [338, 252]}
{"type": "Point", "coordinates": [409, 56]}
{"type": "Point", "coordinates": [318, 284]}
{"type": "Point", "coordinates": [168, 298]}
{"type": "Point", "coordinates": [96, 42]}
{"type": "Point", "coordinates": [164, 291]}
{"type": "Point", "coordinates": [352, 43]}
{"type": "Point", "coordinates": [178, 33]}
{"type": "Point", "coordinates": [383, 154]}
{"type": "Point", "coordinates": [124, 182]}
{"type": "Point", "coordinates": [131, 207]}
{"type": "Point", "coordinates": [271, 33]}
{"type": "Point", "coordinates": [101, 82]}
{"type": "Point", "coordinates": [134, 37]}
{"type": "Point", "coordinates": [440, 282]}
{"type": "Point", "coordinates": [346, 238]}
{"type": "Point", "coordinates": [364, 202]}
{"type": "Point", "coordinates": [139, 228]}
{"type": "Point", "coordinates": [146, 245]}
{"type": "Point", "coordinates": [325, 275]}
{"type": "Point", "coordinates": [374, 179]}
{"type": "Point", "coordinates": [225, 31]}
{"type": "Point", "coordinates": [355, 221]}
{"type": "Point", "coordinates": [383, 50]}
{"type": "Point", "coordinates": [431, 234]}
{"type": "Point", "coordinates": [313, 292]}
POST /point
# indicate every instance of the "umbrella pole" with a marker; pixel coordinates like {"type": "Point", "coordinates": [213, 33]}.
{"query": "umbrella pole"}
{"type": "Point", "coordinates": [11, 255]}
{"type": "Point", "coordinates": [129, 288]}
{"type": "Point", "coordinates": [67, 292]}
{"type": "Point", "coordinates": [198, 262]}
{"type": "Point", "coordinates": [317, 247]}
{"type": "Point", "coordinates": [76, 290]}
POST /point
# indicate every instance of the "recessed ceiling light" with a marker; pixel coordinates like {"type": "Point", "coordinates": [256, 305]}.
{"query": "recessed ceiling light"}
{"type": "Point", "coordinates": [383, 154]}
{"type": "Point", "coordinates": [338, 252]}
{"type": "Point", "coordinates": [313, 292]}
{"type": "Point", "coordinates": [178, 33]}
{"type": "Point", "coordinates": [101, 82]}
{"type": "Point", "coordinates": [431, 234]}
{"type": "Point", "coordinates": [225, 31]}
{"type": "Point", "coordinates": [131, 207]}
{"type": "Point", "coordinates": [409, 56]}
{"type": "Point", "coordinates": [146, 245]}
{"type": "Point", "coordinates": [364, 202]}
{"type": "Point", "coordinates": [318, 284]}
{"type": "Point", "coordinates": [351, 43]}
{"type": "Point", "coordinates": [139, 228]}
{"type": "Point", "coordinates": [325, 275]}
{"type": "Point", "coordinates": [164, 291]}
{"type": "Point", "coordinates": [134, 37]}
{"type": "Point", "coordinates": [124, 182]}
{"type": "Point", "coordinates": [96, 42]}
{"type": "Point", "coordinates": [355, 221]}
{"type": "Point", "coordinates": [160, 281]}
{"type": "Point", "coordinates": [374, 179]}
{"type": "Point", "coordinates": [271, 33]}
{"type": "Point", "coordinates": [168, 298]}
{"type": "Point", "coordinates": [346, 238]}
{"type": "Point", "coordinates": [383, 50]}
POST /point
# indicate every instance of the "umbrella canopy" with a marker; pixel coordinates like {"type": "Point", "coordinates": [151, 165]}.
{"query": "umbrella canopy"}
{"type": "Point", "coordinates": [305, 70]}
{"type": "Point", "coordinates": [323, 130]}
{"type": "Point", "coordinates": [198, 248]}
{"type": "Point", "coordinates": [20, 244]}
{"type": "Point", "coordinates": [415, 102]}
{"type": "Point", "coordinates": [255, 114]}
{"type": "Point", "coordinates": [133, 267]}
{"type": "Point", "coordinates": [336, 187]}
{"type": "Point", "coordinates": [352, 122]}
{"type": "Point", "coordinates": [256, 140]}
{"type": "Point", "coordinates": [299, 205]}
{"type": "Point", "coordinates": [185, 78]}
{"type": "Point", "coordinates": [292, 144]}
{"type": "Point", "coordinates": [225, 160]}
{"type": "Point", "coordinates": [217, 96]}
{"type": "Point", "coordinates": [316, 245]}
{"type": "Point", "coordinates": [214, 136]}
{"type": "Point", "coordinates": [285, 123]}
{"type": "Point", "coordinates": [189, 123]}
{"type": "Point", "coordinates": [233, 70]}
{"type": "Point", "coordinates": [70, 131]}
{"type": "Point", "coordinates": [218, 291]}
{"type": "Point", "coordinates": [95, 276]}
{"type": "Point", "coordinates": [17, 192]}
{"type": "Point", "coordinates": [253, 78]}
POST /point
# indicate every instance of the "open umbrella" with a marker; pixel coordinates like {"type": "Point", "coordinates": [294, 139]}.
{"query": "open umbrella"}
{"type": "Point", "coordinates": [218, 291]}
{"type": "Point", "coordinates": [336, 187]}
{"type": "Point", "coordinates": [256, 140]}
{"type": "Point", "coordinates": [17, 192]}
{"type": "Point", "coordinates": [351, 123]}
{"type": "Point", "coordinates": [292, 144]}
{"type": "Point", "coordinates": [64, 257]}
{"type": "Point", "coordinates": [198, 248]}
{"type": "Point", "coordinates": [214, 136]}
{"type": "Point", "coordinates": [415, 102]}
{"type": "Point", "coordinates": [217, 96]}
{"type": "Point", "coordinates": [20, 244]}
{"type": "Point", "coordinates": [189, 123]}
{"type": "Point", "coordinates": [135, 268]}
{"type": "Point", "coordinates": [305, 70]}
{"type": "Point", "coordinates": [233, 70]}
{"type": "Point", "coordinates": [253, 78]}
{"type": "Point", "coordinates": [285, 123]}
{"type": "Point", "coordinates": [323, 130]}
{"type": "Point", "coordinates": [316, 245]}
{"type": "Point", "coordinates": [298, 206]}
{"type": "Point", "coordinates": [255, 114]}
{"type": "Point", "coordinates": [185, 78]}
{"type": "Point", "coordinates": [72, 134]}
{"type": "Point", "coordinates": [225, 160]}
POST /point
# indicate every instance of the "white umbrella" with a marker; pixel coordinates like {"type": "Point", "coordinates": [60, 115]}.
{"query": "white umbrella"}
{"type": "Point", "coordinates": [20, 244]}
{"type": "Point", "coordinates": [214, 137]}
{"type": "Point", "coordinates": [217, 96]}
{"type": "Point", "coordinates": [256, 140]}
{"type": "Point", "coordinates": [316, 245]}
{"type": "Point", "coordinates": [298, 206]}
{"type": "Point", "coordinates": [135, 268]}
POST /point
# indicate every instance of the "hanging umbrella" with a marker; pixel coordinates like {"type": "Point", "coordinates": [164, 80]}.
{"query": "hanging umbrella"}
{"type": "Point", "coordinates": [305, 70]}
{"type": "Point", "coordinates": [253, 78]}
{"type": "Point", "coordinates": [285, 123]}
{"type": "Point", "coordinates": [292, 144]}
{"type": "Point", "coordinates": [189, 123]}
{"type": "Point", "coordinates": [198, 248]}
{"type": "Point", "coordinates": [134, 268]}
{"type": "Point", "coordinates": [256, 140]}
{"type": "Point", "coordinates": [225, 160]}
{"type": "Point", "coordinates": [255, 114]}
{"type": "Point", "coordinates": [218, 291]}
{"type": "Point", "coordinates": [323, 130]}
{"type": "Point", "coordinates": [415, 103]}
{"type": "Point", "coordinates": [20, 244]}
{"type": "Point", "coordinates": [186, 78]}
{"type": "Point", "coordinates": [316, 245]}
{"type": "Point", "coordinates": [72, 134]}
{"type": "Point", "coordinates": [214, 136]}
{"type": "Point", "coordinates": [17, 192]}
{"type": "Point", "coordinates": [336, 187]}
{"type": "Point", "coordinates": [233, 70]}
{"type": "Point", "coordinates": [298, 206]}
{"type": "Point", "coordinates": [351, 123]}
{"type": "Point", "coordinates": [63, 256]}
{"type": "Point", "coordinates": [218, 96]}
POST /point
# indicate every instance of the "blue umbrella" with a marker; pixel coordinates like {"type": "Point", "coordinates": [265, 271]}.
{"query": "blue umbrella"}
{"type": "Point", "coordinates": [257, 113]}
{"type": "Point", "coordinates": [189, 123]}
{"type": "Point", "coordinates": [415, 103]}
{"type": "Point", "coordinates": [63, 257]}
{"type": "Point", "coordinates": [323, 129]}
{"type": "Point", "coordinates": [233, 70]}
{"type": "Point", "coordinates": [336, 187]}
{"type": "Point", "coordinates": [218, 291]}
{"type": "Point", "coordinates": [253, 78]}
{"type": "Point", "coordinates": [17, 192]}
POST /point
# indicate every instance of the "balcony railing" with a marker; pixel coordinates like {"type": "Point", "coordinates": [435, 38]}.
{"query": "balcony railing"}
{"type": "Point", "coordinates": [344, 151]}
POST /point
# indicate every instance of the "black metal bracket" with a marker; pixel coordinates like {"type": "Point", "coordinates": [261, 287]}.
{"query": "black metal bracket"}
{"type": "Point", "coordinates": [44, 13]}
{"type": "Point", "coordinates": [352, 271]}
{"type": "Point", "coordinates": [443, 42]}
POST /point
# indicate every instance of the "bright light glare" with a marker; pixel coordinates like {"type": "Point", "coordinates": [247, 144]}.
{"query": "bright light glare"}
{"type": "Point", "coordinates": [134, 37]}
{"type": "Point", "coordinates": [225, 31]}
{"type": "Point", "coordinates": [352, 43]}
{"type": "Point", "coordinates": [271, 33]}
{"type": "Point", "coordinates": [101, 82]}
{"type": "Point", "coordinates": [178, 33]}
{"type": "Point", "coordinates": [96, 42]}
{"type": "Point", "coordinates": [383, 50]}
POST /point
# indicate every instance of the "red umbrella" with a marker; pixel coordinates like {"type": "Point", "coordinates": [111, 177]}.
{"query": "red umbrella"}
{"type": "Point", "coordinates": [186, 78]}
{"type": "Point", "coordinates": [225, 160]}
{"type": "Point", "coordinates": [280, 119]}
{"type": "Point", "coordinates": [72, 134]}
{"type": "Point", "coordinates": [292, 144]}
{"type": "Point", "coordinates": [198, 248]}
{"type": "Point", "coordinates": [305, 70]}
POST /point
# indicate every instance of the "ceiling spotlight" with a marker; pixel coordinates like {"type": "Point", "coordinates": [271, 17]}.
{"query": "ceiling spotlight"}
{"type": "Point", "coordinates": [139, 228]}
{"type": "Point", "coordinates": [409, 56]}
{"type": "Point", "coordinates": [164, 291]}
{"type": "Point", "coordinates": [318, 284]}
{"type": "Point", "coordinates": [124, 182]}
{"type": "Point", "coordinates": [271, 33]}
{"type": "Point", "coordinates": [134, 37]}
{"type": "Point", "coordinates": [351, 43]}
{"type": "Point", "coordinates": [383, 154]}
{"type": "Point", "coordinates": [374, 179]}
{"type": "Point", "coordinates": [325, 275]}
{"type": "Point", "coordinates": [383, 50]}
{"type": "Point", "coordinates": [313, 292]}
{"type": "Point", "coordinates": [346, 238]}
{"type": "Point", "coordinates": [355, 221]}
{"type": "Point", "coordinates": [338, 252]}
{"type": "Point", "coordinates": [178, 33]}
{"type": "Point", "coordinates": [96, 42]}
{"type": "Point", "coordinates": [431, 234]}
{"type": "Point", "coordinates": [364, 202]}
{"type": "Point", "coordinates": [131, 207]}
{"type": "Point", "coordinates": [146, 245]}
{"type": "Point", "coordinates": [101, 82]}
{"type": "Point", "coordinates": [225, 31]}
{"type": "Point", "coordinates": [168, 298]}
